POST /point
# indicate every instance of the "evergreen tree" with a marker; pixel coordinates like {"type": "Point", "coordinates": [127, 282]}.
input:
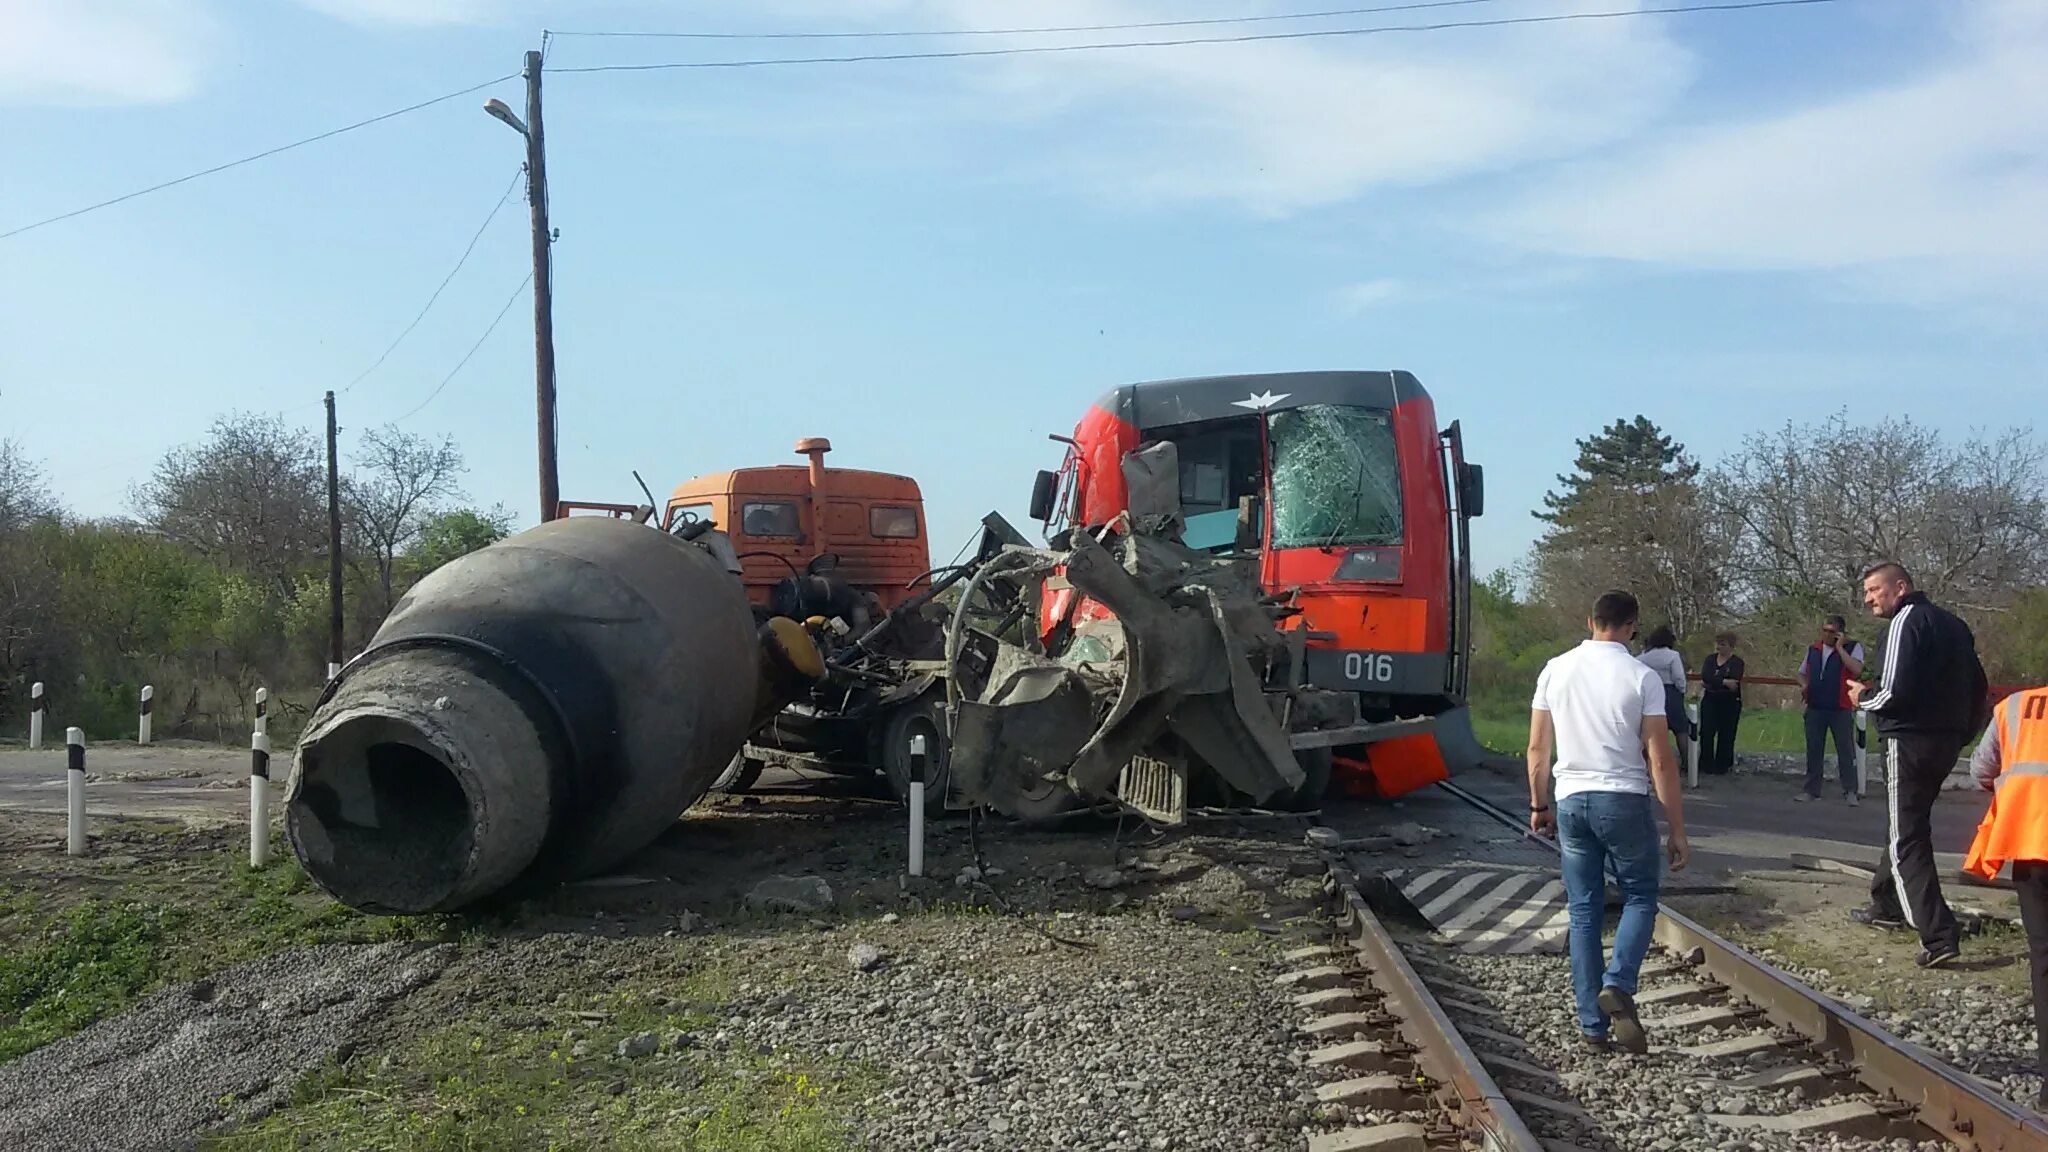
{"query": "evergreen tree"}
{"type": "Point", "coordinates": [1627, 456]}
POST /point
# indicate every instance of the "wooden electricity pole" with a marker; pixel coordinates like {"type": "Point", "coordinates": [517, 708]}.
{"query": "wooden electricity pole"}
{"type": "Point", "coordinates": [333, 546]}
{"type": "Point", "coordinates": [543, 292]}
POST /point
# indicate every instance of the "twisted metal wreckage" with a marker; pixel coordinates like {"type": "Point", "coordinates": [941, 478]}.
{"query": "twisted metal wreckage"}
{"type": "Point", "coordinates": [543, 708]}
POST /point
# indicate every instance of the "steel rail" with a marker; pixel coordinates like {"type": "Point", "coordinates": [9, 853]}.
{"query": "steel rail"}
{"type": "Point", "coordinates": [1440, 1052]}
{"type": "Point", "coordinates": [1955, 1105]}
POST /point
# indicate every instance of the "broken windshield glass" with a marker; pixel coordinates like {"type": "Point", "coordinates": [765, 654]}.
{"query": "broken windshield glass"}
{"type": "Point", "coordinates": [1336, 477]}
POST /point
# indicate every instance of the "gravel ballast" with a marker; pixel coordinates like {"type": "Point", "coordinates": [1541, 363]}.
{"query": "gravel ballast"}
{"type": "Point", "coordinates": [1143, 1033]}
{"type": "Point", "coordinates": [196, 1056]}
{"type": "Point", "coordinates": [1659, 1102]}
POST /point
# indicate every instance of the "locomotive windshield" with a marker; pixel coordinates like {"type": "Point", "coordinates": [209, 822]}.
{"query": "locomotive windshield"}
{"type": "Point", "coordinates": [1336, 477]}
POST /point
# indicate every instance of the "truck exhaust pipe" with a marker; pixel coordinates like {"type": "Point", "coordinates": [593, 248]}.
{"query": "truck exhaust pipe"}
{"type": "Point", "coordinates": [535, 711]}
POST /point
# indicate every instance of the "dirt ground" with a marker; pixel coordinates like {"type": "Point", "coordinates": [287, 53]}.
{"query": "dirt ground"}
{"type": "Point", "coordinates": [668, 946]}
{"type": "Point", "coordinates": [521, 1036]}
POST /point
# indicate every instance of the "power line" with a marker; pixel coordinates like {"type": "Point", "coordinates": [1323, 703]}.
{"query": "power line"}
{"type": "Point", "coordinates": [268, 152]}
{"type": "Point", "coordinates": [428, 306]}
{"type": "Point", "coordinates": [509, 301]}
{"type": "Point", "coordinates": [1032, 31]}
{"type": "Point", "coordinates": [1307, 34]}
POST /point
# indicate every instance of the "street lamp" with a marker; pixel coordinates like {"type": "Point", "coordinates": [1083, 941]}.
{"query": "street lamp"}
{"type": "Point", "coordinates": [503, 111]}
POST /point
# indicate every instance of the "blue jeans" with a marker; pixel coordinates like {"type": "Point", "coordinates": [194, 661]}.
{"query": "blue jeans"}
{"type": "Point", "coordinates": [1597, 830]}
{"type": "Point", "coordinates": [1819, 723]}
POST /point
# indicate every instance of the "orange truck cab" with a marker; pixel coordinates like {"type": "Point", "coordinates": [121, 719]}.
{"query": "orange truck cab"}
{"type": "Point", "coordinates": [865, 530]}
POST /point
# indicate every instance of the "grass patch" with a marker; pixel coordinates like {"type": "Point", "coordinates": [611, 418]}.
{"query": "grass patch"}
{"type": "Point", "coordinates": [1504, 728]}
{"type": "Point", "coordinates": [483, 1085]}
{"type": "Point", "coordinates": [68, 960]}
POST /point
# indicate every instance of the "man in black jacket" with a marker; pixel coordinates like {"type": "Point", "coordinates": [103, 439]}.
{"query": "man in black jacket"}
{"type": "Point", "coordinates": [1930, 701]}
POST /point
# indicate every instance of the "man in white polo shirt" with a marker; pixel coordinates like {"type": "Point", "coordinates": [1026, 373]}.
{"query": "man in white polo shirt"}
{"type": "Point", "coordinates": [1601, 709]}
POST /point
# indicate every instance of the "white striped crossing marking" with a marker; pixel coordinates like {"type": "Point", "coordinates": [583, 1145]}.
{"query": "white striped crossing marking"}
{"type": "Point", "coordinates": [1495, 910]}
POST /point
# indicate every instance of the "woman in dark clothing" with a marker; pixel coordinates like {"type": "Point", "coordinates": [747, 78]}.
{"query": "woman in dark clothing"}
{"type": "Point", "coordinates": [1720, 706]}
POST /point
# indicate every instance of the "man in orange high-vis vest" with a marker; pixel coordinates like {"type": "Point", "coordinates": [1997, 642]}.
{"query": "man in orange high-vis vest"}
{"type": "Point", "coordinates": [2012, 764]}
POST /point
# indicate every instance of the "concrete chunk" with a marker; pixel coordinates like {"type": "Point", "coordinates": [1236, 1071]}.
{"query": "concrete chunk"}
{"type": "Point", "coordinates": [1850, 1118]}
{"type": "Point", "coordinates": [1322, 976]}
{"type": "Point", "coordinates": [1378, 1138]}
{"type": "Point", "coordinates": [1739, 1046]}
{"type": "Point", "coordinates": [1364, 1055]}
{"type": "Point", "coordinates": [1340, 1024]}
{"type": "Point", "coordinates": [1672, 995]}
{"type": "Point", "coordinates": [1330, 1000]}
{"type": "Point", "coordinates": [1366, 1092]}
{"type": "Point", "coordinates": [1312, 952]}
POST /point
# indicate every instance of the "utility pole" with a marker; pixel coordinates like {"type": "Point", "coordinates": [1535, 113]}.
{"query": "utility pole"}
{"type": "Point", "coordinates": [333, 547]}
{"type": "Point", "coordinates": [543, 292]}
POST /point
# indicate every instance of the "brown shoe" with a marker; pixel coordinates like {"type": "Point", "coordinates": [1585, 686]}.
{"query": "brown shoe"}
{"type": "Point", "coordinates": [1621, 1016]}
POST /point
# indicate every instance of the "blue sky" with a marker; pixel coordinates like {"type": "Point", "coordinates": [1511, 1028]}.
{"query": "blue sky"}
{"type": "Point", "coordinates": [1722, 221]}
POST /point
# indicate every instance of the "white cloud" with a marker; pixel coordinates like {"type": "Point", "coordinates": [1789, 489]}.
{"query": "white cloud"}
{"type": "Point", "coordinates": [1277, 126]}
{"type": "Point", "coordinates": [1366, 295]}
{"type": "Point", "coordinates": [412, 13]}
{"type": "Point", "coordinates": [1927, 189]}
{"type": "Point", "coordinates": [88, 52]}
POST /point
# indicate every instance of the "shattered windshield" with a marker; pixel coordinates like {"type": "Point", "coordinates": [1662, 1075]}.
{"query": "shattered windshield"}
{"type": "Point", "coordinates": [1336, 477]}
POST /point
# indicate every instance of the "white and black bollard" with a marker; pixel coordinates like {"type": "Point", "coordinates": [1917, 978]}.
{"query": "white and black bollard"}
{"type": "Point", "coordinates": [333, 670]}
{"type": "Point", "coordinates": [35, 715]}
{"type": "Point", "coordinates": [259, 800]}
{"type": "Point", "coordinates": [1692, 746]}
{"type": "Point", "coordinates": [917, 771]}
{"type": "Point", "coordinates": [148, 704]}
{"type": "Point", "coordinates": [262, 712]}
{"type": "Point", "coordinates": [74, 791]}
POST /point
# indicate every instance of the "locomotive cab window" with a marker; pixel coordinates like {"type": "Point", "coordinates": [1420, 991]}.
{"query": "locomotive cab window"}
{"type": "Point", "coordinates": [1336, 477]}
{"type": "Point", "coordinates": [892, 522]}
{"type": "Point", "coordinates": [1219, 464]}
{"type": "Point", "coordinates": [769, 519]}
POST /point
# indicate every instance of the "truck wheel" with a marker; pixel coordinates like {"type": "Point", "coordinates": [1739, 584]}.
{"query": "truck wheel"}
{"type": "Point", "coordinates": [739, 775]}
{"type": "Point", "coordinates": [924, 717]}
{"type": "Point", "coordinates": [1315, 773]}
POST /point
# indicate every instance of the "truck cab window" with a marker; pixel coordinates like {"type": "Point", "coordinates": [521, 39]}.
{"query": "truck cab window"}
{"type": "Point", "coordinates": [769, 519]}
{"type": "Point", "coordinates": [681, 516]}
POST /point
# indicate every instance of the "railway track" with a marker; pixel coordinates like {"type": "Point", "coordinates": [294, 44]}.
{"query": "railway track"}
{"type": "Point", "coordinates": [1431, 1047]}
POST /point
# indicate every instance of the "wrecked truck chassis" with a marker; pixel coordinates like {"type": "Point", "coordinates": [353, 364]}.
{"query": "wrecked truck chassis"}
{"type": "Point", "coordinates": [1175, 682]}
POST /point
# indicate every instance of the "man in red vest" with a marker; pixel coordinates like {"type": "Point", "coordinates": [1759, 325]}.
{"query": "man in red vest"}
{"type": "Point", "coordinates": [2012, 764]}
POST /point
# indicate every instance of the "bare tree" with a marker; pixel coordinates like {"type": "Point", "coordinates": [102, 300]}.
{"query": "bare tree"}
{"type": "Point", "coordinates": [1816, 503]}
{"type": "Point", "coordinates": [251, 497]}
{"type": "Point", "coordinates": [24, 495]}
{"type": "Point", "coordinates": [402, 484]}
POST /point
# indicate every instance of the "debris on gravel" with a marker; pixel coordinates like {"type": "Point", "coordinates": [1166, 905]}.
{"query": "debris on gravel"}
{"type": "Point", "coordinates": [790, 894]}
{"type": "Point", "coordinates": [196, 1057]}
{"type": "Point", "coordinates": [864, 957]}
